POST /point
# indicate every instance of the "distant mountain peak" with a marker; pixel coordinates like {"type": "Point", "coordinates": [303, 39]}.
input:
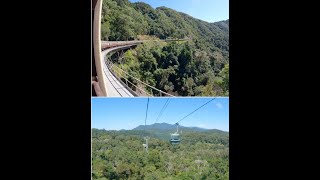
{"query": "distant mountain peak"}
{"type": "Point", "coordinates": [166, 126]}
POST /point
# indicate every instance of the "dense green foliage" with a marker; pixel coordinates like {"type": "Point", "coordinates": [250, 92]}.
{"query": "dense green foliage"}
{"type": "Point", "coordinates": [177, 68]}
{"type": "Point", "coordinates": [198, 67]}
{"type": "Point", "coordinates": [120, 155]}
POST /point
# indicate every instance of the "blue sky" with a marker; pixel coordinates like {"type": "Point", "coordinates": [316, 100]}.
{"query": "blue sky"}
{"type": "Point", "coordinates": [128, 113]}
{"type": "Point", "coordinates": [207, 10]}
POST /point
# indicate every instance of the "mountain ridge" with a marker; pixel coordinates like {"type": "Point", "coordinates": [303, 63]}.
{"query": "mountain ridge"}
{"type": "Point", "coordinates": [140, 18]}
{"type": "Point", "coordinates": [166, 126]}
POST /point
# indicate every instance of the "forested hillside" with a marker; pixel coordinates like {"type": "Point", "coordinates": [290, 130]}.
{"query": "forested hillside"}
{"type": "Point", "coordinates": [120, 155]}
{"type": "Point", "coordinates": [196, 67]}
{"type": "Point", "coordinates": [171, 127]}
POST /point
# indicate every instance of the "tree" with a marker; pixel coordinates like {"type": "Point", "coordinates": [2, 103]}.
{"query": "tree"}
{"type": "Point", "coordinates": [119, 155]}
{"type": "Point", "coordinates": [225, 79]}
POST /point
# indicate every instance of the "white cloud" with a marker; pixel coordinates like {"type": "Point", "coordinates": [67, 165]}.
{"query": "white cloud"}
{"type": "Point", "coordinates": [219, 105]}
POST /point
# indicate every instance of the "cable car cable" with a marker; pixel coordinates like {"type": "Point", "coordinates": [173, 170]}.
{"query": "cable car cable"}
{"type": "Point", "coordinates": [162, 110]}
{"type": "Point", "coordinates": [145, 125]}
{"type": "Point", "coordinates": [145, 121]}
{"type": "Point", "coordinates": [175, 137]}
{"type": "Point", "coordinates": [195, 110]}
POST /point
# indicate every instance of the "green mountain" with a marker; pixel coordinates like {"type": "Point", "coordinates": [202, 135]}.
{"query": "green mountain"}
{"type": "Point", "coordinates": [123, 20]}
{"type": "Point", "coordinates": [171, 127]}
{"type": "Point", "coordinates": [198, 66]}
{"type": "Point", "coordinates": [163, 130]}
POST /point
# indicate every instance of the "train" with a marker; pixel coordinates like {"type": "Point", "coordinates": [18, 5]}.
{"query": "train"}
{"type": "Point", "coordinates": [111, 44]}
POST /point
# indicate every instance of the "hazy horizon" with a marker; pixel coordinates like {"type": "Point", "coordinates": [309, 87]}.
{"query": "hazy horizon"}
{"type": "Point", "coordinates": [129, 113]}
{"type": "Point", "coordinates": [160, 123]}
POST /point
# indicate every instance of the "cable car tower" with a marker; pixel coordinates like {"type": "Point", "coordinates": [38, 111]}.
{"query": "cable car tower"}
{"type": "Point", "coordinates": [146, 146]}
{"type": "Point", "coordinates": [175, 137]}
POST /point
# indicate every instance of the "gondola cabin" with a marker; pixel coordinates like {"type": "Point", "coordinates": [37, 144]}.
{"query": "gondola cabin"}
{"type": "Point", "coordinates": [175, 138]}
